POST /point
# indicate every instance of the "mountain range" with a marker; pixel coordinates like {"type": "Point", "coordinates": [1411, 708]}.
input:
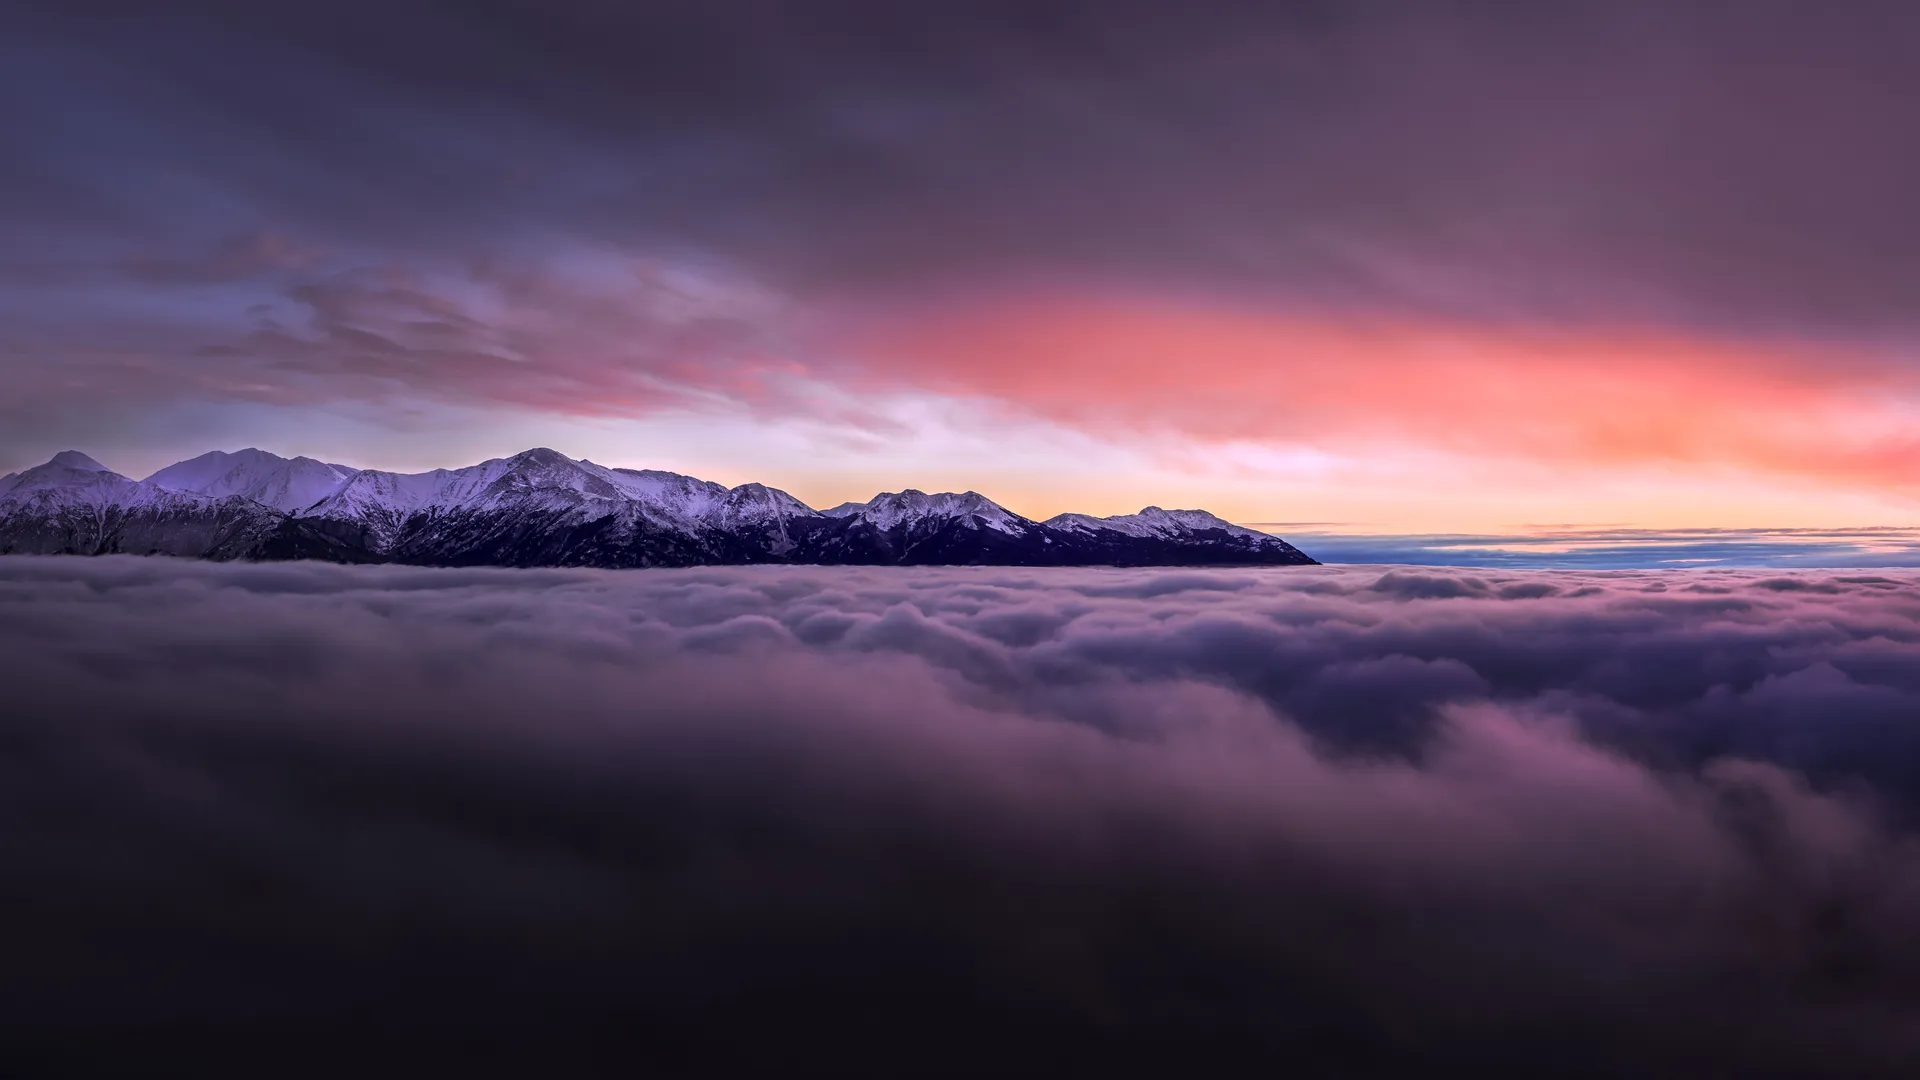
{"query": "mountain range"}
{"type": "Point", "coordinates": [542, 508]}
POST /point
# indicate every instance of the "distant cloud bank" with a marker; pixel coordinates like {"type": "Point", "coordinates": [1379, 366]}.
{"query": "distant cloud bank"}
{"type": "Point", "coordinates": [1338, 821]}
{"type": "Point", "coordinates": [1619, 549]}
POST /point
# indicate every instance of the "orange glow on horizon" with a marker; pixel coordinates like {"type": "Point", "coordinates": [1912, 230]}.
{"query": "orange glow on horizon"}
{"type": "Point", "coordinates": [1582, 402]}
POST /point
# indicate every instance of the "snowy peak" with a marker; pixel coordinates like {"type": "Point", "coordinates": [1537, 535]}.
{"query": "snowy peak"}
{"type": "Point", "coordinates": [545, 474]}
{"type": "Point", "coordinates": [548, 481]}
{"type": "Point", "coordinates": [890, 510]}
{"type": "Point", "coordinates": [72, 480]}
{"type": "Point", "coordinates": [543, 508]}
{"type": "Point", "coordinates": [1154, 522]}
{"type": "Point", "coordinates": [286, 484]}
{"type": "Point", "coordinates": [539, 473]}
{"type": "Point", "coordinates": [758, 504]}
{"type": "Point", "coordinates": [74, 459]}
{"type": "Point", "coordinates": [542, 456]}
{"type": "Point", "coordinates": [761, 494]}
{"type": "Point", "coordinates": [397, 496]}
{"type": "Point", "coordinates": [668, 492]}
{"type": "Point", "coordinates": [69, 469]}
{"type": "Point", "coordinates": [66, 469]}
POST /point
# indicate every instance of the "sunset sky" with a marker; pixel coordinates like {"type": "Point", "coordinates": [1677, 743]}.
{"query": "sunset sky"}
{"type": "Point", "coordinates": [1416, 267]}
{"type": "Point", "coordinates": [1569, 728]}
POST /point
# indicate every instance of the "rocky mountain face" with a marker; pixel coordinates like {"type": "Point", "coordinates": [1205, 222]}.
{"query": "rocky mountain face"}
{"type": "Point", "coordinates": [542, 508]}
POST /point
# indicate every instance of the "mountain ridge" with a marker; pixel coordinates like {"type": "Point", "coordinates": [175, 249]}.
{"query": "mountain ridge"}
{"type": "Point", "coordinates": [543, 508]}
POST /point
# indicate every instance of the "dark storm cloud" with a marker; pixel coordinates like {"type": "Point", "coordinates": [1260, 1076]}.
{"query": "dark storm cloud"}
{"type": "Point", "coordinates": [1746, 167]}
{"type": "Point", "coordinates": [927, 821]}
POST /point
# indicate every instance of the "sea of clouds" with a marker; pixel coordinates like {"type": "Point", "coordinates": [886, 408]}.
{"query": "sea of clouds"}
{"type": "Point", "coordinates": [1319, 821]}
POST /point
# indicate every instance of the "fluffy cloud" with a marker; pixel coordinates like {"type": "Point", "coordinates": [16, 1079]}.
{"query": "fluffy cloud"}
{"type": "Point", "coordinates": [944, 820]}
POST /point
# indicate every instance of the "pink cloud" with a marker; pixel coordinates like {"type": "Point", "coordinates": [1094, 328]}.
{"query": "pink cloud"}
{"type": "Point", "coordinates": [1585, 398]}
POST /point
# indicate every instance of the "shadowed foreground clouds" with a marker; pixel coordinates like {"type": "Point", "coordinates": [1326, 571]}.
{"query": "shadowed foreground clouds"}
{"type": "Point", "coordinates": [944, 820]}
{"type": "Point", "coordinates": [1605, 235]}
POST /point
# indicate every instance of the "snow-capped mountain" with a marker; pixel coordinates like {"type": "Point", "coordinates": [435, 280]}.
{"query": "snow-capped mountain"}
{"type": "Point", "coordinates": [542, 508]}
{"type": "Point", "coordinates": [1189, 531]}
{"type": "Point", "coordinates": [970, 509]}
{"type": "Point", "coordinates": [914, 527]}
{"type": "Point", "coordinates": [73, 482]}
{"type": "Point", "coordinates": [285, 484]}
{"type": "Point", "coordinates": [1152, 521]}
{"type": "Point", "coordinates": [74, 504]}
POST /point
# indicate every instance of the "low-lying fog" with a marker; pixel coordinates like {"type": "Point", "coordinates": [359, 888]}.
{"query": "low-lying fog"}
{"type": "Point", "coordinates": [919, 821]}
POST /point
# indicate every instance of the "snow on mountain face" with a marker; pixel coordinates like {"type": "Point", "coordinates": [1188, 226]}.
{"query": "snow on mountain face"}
{"type": "Point", "coordinates": [888, 510]}
{"type": "Point", "coordinates": [287, 485]}
{"type": "Point", "coordinates": [74, 505]}
{"type": "Point", "coordinates": [538, 481]}
{"type": "Point", "coordinates": [542, 508]}
{"type": "Point", "coordinates": [1155, 522]}
{"type": "Point", "coordinates": [72, 479]}
{"type": "Point", "coordinates": [757, 505]}
{"type": "Point", "coordinates": [678, 497]}
{"type": "Point", "coordinates": [451, 489]}
{"type": "Point", "coordinates": [74, 459]}
{"type": "Point", "coordinates": [546, 480]}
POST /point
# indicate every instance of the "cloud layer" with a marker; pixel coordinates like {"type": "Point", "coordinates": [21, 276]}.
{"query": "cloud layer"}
{"type": "Point", "coordinates": [1619, 548]}
{"type": "Point", "coordinates": [1567, 160]}
{"type": "Point", "coordinates": [1324, 821]}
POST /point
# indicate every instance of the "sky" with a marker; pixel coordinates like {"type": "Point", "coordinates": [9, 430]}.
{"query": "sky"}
{"type": "Point", "coordinates": [1439, 268]}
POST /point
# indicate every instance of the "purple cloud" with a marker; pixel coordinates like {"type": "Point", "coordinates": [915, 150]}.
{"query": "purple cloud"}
{"type": "Point", "coordinates": [1671, 167]}
{"type": "Point", "coordinates": [1356, 822]}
